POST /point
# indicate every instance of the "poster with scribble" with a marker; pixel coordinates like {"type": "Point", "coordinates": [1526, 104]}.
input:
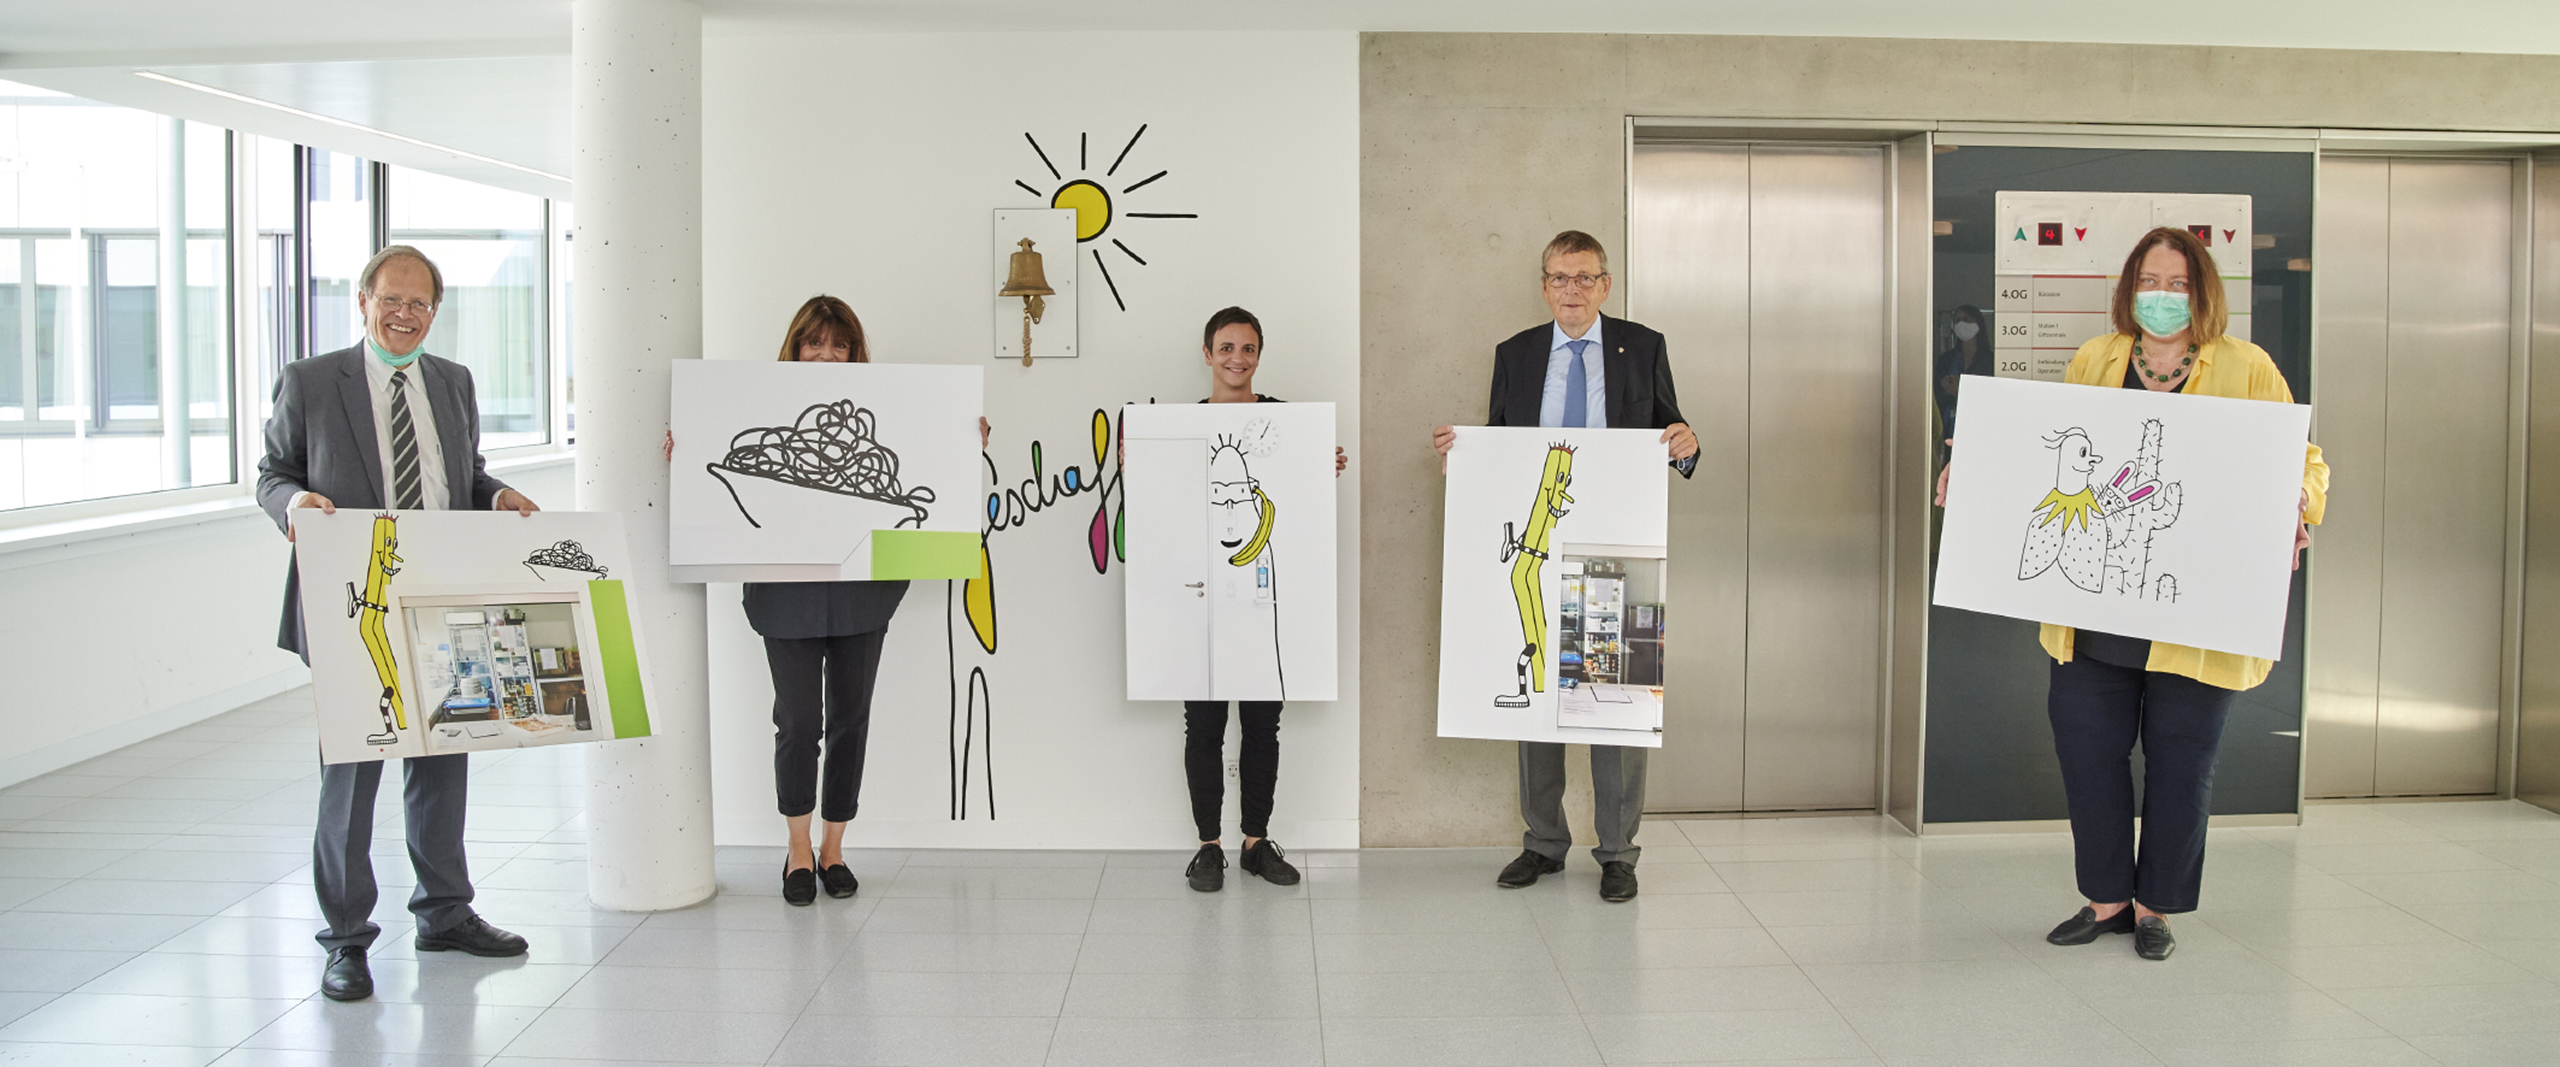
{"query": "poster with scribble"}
{"type": "Point", "coordinates": [1554, 552]}
{"type": "Point", "coordinates": [1230, 586]}
{"type": "Point", "coordinates": [434, 632]}
{"type": "Point", "coordinates": [2153, 515]}
{"type": "Point", "coordinates": [823, 471]}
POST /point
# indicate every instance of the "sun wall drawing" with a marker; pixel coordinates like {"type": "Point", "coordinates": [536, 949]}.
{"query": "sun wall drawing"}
{"type": "Point", "coordinates": [1097, 207]}
{"type": "Point", "coordinates": [2152, 515]}
{"type": "Point", "coordinates": [1552, 596]}
{"type": "Point", "coordinates": [427, 636]}
{"type": "Point", "coordinates": [823, 471]}
{"type": "Point", "coordinates": [1231, 576]}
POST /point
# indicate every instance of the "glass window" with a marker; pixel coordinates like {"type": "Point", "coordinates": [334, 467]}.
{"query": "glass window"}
{"type": "Point", "coordinates": [114, 301]}
{"type": "Point", "coordinates": [489, 245]}
{"type": "Point", "coordinates": [338, 192]}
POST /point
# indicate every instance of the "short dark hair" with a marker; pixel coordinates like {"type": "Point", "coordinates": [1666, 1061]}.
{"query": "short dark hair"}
{"type": "Point", "coordinates": [824, 316]}
{"type": "Point", "coordinates": [1968, 312]}
{"type": "Point", "coordinates": [1230, 317]}
{"type": "Point", "coordinates": [372, 267]}
{"type": "Point", "coordinates": [1570, 242]}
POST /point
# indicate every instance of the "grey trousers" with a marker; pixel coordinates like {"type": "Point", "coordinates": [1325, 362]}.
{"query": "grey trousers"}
{"type": "Point", "coordinates": [433, 794]}
{"type": "Point", "coordinates": [1617, 800]}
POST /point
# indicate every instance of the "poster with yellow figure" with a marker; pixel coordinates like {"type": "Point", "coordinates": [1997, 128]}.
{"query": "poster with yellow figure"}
{"type": "Point", "coordinates": [1553, 588]}
{"type": "Point", "coordinates": [434, 632]}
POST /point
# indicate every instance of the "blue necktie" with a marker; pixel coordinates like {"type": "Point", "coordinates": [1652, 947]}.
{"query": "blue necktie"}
{"type": "Point", "coordinates": [1577, 388]}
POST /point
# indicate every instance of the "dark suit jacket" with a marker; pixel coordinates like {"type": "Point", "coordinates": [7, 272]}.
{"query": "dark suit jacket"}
{"type": "Point", "coordinates": [1635, 367]}
{"type": "Point", "coordinates": [321, 439]}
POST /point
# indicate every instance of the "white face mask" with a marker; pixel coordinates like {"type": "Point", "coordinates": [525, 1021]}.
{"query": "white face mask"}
{"type": "Point", "coordinates": [1965, 331]}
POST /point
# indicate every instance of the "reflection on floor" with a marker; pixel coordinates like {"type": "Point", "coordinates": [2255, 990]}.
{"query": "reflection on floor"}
{"type": "Point", "coordinates": [157, 911]}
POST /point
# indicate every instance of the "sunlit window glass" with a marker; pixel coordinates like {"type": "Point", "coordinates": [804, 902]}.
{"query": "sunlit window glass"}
{"type": "Point", "coordinates": [338, 192]}
{"type": "Point", "coordinates": [488, 242]}
{"type": "Point", "coordinates": [114, 302]}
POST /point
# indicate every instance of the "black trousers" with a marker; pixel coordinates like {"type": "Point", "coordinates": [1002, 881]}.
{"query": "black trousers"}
{"type": "Point", "coordinates": [1204, 739]}
{"type": "Point", "coordinates": [2098, 710]}
{"type": "Point", "coordinates": [821, 687]}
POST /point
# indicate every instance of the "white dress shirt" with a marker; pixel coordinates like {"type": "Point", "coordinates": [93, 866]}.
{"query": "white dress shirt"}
{"type": "Point", "coordinates": [422, 421]}
{"type": "Point", "coordinates": [1595, 383]}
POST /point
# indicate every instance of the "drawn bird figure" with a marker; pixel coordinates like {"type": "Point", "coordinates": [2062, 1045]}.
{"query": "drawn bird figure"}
{"type": "Point", "coordinates": [2067, 526]}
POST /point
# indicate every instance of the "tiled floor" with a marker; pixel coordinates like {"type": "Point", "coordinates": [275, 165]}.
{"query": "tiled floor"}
{"type": "Point", "coordinates": [155, 909]}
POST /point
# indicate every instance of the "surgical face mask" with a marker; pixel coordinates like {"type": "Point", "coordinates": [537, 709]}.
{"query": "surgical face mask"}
{"type": "Point", "coordinates": [385, 355]}
{"type": "Point", "coordinates": [2162, 313]}
{"type": "Point", "coordinates": [1965, 331]}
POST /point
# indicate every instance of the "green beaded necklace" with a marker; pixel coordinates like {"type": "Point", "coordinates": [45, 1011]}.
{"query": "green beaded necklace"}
{"type": "Point", "coordinates": [2144, 365]}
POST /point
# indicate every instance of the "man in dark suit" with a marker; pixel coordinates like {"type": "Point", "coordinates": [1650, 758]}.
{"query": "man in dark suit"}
{"type": "Point", "coordinates": [383, 424]}
{"type": "Point", "coordinates": [1583, 369]}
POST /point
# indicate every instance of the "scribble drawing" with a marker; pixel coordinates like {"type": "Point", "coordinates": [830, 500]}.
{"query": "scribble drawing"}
{"type": "Point", "coordinates": [567, 556]}
{"type": "Point", "coordinates": [1526, 551]}
{"type": "Point", "coordinates": [831, 447]}
{"type": "Point", "coordinates": [2067, 526]}
{"type": "Point", "coordinates": [369, 607]}
{"type": "Point", "coordinates": [2136, 506]}
{"type": "Point", "coordinates": [1244, 516]}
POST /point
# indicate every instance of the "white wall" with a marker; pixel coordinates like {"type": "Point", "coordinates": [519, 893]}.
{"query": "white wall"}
{"type": "Point", "coordinates": [868, 166]}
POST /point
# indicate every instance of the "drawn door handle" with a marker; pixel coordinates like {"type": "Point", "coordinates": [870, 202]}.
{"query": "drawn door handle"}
{"type": "Point", "coordinates": [1193, 585]}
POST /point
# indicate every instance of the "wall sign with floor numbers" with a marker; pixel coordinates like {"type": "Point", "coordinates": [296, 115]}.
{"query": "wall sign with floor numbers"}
{"type": "Point", "coordinates": [2059, 254]}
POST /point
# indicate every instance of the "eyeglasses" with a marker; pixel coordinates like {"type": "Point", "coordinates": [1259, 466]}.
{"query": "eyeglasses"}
{"type": "Point", "coordinates": [391, 304]}
{"type": "Point", "coordinates": [1578, 281]}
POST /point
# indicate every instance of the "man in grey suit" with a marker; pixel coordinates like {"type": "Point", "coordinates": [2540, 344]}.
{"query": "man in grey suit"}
{"type": "Point", "coordinates": [384, 425]}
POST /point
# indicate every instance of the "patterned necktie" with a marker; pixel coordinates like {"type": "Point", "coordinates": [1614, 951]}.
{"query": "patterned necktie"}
{"type": "Point", "coordinates": [1577, 388]}
{"type": "Point", "coordinates": [406, 490]}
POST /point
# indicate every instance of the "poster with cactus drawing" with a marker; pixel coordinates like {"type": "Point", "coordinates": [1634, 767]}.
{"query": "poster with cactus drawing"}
{"type": "Point", "coordinates": [2153, 515]}
{"type": "Point", "coordinates": [1553, 585]}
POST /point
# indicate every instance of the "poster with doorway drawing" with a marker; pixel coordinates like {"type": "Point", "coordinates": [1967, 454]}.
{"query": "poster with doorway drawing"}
{"type": "Point", "coordinates": [462, 631]}
{"type": "Point", "coordinates": [1230, 539]}
{"type": "Point", "coordinates": [1552, 587]}
{"type": "Point", "coordinates": [824, 471]}
{"type": "Point", "coordinates": [2154, 515]}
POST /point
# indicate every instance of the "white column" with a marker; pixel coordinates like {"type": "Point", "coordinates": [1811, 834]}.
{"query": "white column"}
{"type": "Point", "coordinates": [635, 130]}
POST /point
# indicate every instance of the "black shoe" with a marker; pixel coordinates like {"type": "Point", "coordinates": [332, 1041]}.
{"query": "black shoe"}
{"type": "Point", "coordinates": [2085, 927]}
{"type": "Point", "coordinates": [799, 887]}
{"type": "Point", "coordinates": [840, 881]}
{"type": "Point", "coordinates": [1617, 881]}
{"type": "Point", "coordinates": [347, 977]}
{"type": "Point", "coordinates": [1525, 870]}
{"type": "Point", "coordinates": [1264, 858]}
{"type": "Point", "coordinates": [1208, 870]}
{"type": "Point", "coordinates": [2151, 938]}
{"type": "Point", "coordinates": [475, 936]}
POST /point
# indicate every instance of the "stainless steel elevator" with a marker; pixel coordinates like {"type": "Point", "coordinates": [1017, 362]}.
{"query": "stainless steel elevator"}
{"type": "Point", "coordinates": [2408, 656]}
{"type": "Point", "coordinates": [1768, 268]}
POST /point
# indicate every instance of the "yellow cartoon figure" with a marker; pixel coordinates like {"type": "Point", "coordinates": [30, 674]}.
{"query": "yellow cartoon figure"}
{"type": "Point", "coordinates": [372, 604]}
{"type": "Point", "coordinates": [1527, 554]}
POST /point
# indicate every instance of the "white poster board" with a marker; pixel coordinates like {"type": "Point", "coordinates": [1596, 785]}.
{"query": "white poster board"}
{"type": "Point", "coordinates": [2151, 515]}
{"type": "Point", "coordinates": [1524, 504]}
{"type": "Point", "coordinates": [1231, 569]}
{"type": "Point", "coordinates": [2059, 254]}
{"type": "Point", "coordinates": [433, 632]}
{"type": "Point", "coordinates": [824, 471]}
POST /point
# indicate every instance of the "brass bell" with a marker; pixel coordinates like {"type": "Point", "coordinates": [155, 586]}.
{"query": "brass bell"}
{"type": "Point", "coordinates": [1025, 279]}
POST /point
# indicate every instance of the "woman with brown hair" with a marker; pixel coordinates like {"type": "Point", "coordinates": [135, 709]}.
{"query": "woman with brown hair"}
{"type": "Point", "coordinates": [2106, 690]}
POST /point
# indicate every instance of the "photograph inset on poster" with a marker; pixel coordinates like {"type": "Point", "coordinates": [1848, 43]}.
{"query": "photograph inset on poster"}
{"type": "Point", "coordinates": [2153, 515]}
{"type": "Point", "coordinates": [824, 471]}
{"type": "Point", "coordinates": [1231, 586]}
{"type": "Point", "coordinates": [463, 631]}
{"type": "Point", "coordinates": [1553, 551]}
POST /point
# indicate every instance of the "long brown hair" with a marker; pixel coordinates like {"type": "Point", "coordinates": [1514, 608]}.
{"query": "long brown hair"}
{"type": "Point", "coordinates": [824, 316]}
{"type": "Point", "coordinates": [2211, 310]}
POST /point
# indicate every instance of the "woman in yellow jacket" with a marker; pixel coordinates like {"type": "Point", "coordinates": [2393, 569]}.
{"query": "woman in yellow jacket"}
{"type": "Point", "coordinates": [2108, 690]}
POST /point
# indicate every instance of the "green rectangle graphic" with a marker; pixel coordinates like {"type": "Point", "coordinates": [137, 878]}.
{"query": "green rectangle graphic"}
{"type": "Point", "coordinates": [619, 659]}
{"type": "Point", "coordinates": [924, 554]}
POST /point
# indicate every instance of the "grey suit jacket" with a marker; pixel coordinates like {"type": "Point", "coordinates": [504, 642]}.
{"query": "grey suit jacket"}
{"type": "Point", "coordinates": [321, 439]}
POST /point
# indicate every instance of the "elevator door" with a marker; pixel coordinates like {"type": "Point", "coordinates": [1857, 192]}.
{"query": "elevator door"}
{"type": "Point", "coordinates": [1766, 268]}
{"type": "Point", "coordinates": [2408, 584]}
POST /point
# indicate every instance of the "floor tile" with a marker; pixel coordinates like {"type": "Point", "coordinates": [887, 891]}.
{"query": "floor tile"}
{"type": "Point", "coordinates": [1499, 993]}
{"type": "Point", "coordinates": [1983, 981]}
{"type": "Point", "coordinates": [2501, 886]}
{"type": "Point", "coordinates": [652, 1036]}
{"type": "Point", "coordinates": [2492, 1050]}
{"type": "Point", "coordinates": [2426, 1011]}
{"type": "Point", "coordinates": [1887, 943]}
{"type": "Point", "coordinates": [378, 1026]}
{"type": "Point", "coordinates": [1694, 989]}
{"type": "Point", "coordinates": [976, 915]}
{"type": "Point", "coordinates": [1026, 953]}
{"type": "Point", "coordinates": [28, 970]}
{"type": "Point", "coordinates": [863, 1041]}
{"type": "Point", "coordinates": [28, 1054]}
{"type": "Point", "coordinates": [106, 932]}
{"type": "Point", "coordinates": [939, 993]}
{"type": "Point", "coordinates": [2058, 1029]}
{"type": "Point", "coordinates": [2346, 1052]}
{"type": "Point", "coordinates": [2425, 964]}
{"type": "Point", "coordinates": [1099, 995]}
{"type": "Point", "coordinates": [1427, 953]}
{"type": "Point", "coordinates": [754, 950]}
{"type": "Point", "coordinates": [1154, 1042]}
{"type": "Point", "coordinates": [1724, 1035]}
{"type": "Point", "coordinates": [1458, 1042]}
{"type": "Point", "coordinates": [1595, 949]}
{"type": "Point", "coordinates": [2161, 1022]}
{"type": "Point", "coordinates": [146, 1020]}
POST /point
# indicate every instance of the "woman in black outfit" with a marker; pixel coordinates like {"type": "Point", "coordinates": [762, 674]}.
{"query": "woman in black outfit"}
{"type": "Point", "coordinates": [1232, 347]}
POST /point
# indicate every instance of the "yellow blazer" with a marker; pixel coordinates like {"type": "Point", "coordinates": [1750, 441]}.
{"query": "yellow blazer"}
{"type": "Point", "coordinates": [2227, 367]}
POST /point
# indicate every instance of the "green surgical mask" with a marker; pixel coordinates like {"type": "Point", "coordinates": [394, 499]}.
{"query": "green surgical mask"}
{"type": "Point", "coordinates": [2161, 312]}
{"type": "Point", "coordinates": [387, 358]}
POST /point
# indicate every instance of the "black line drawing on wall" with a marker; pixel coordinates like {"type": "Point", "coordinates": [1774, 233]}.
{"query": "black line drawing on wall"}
{"type": "Point", "coordinates": [568, 556]}
{"type": "Point", "coordinates": [1242, 519]}
{"type": "Point", "coordinates": [831, 447]}
{"type": "Point", "coordinates": [1096, 206]}
{"type": "Point", "coordinates": [1527, 552]}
